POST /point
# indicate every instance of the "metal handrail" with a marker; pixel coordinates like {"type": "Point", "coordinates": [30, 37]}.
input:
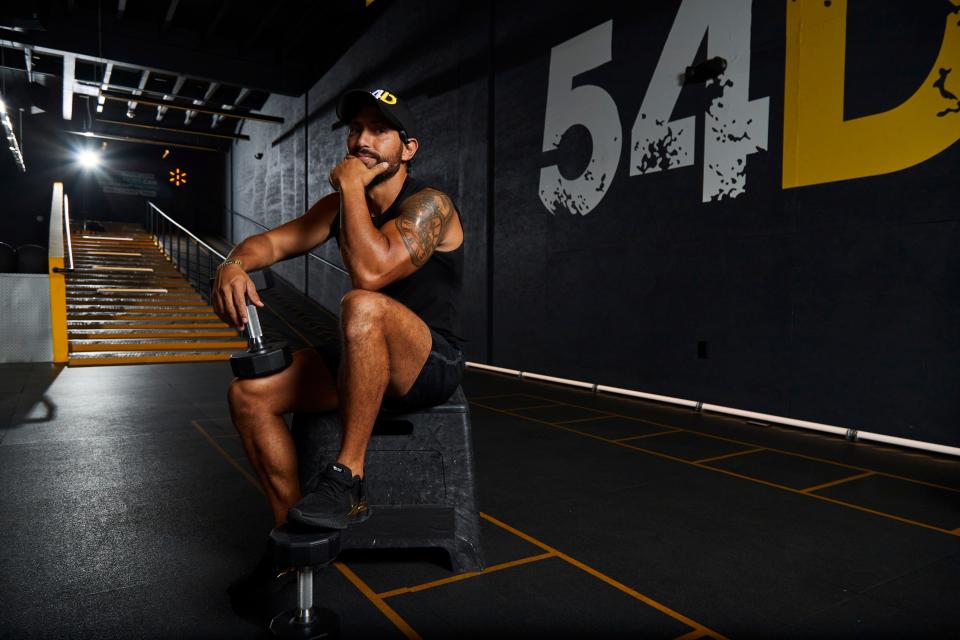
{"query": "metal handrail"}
{"type": "Point", "coordinates": [187, 231]}
{"type": "Point", "coordinates": [66, 227]}
{"type": "Point", "coordinates": [169, 235]}
{"type": "Point", "coordinates": [332, 265]}
{"type": "Point", "coordinates": [164, 228]}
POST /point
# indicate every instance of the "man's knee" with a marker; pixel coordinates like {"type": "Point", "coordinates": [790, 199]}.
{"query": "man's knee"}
{"type": "Point", "coordinates": [362, 314]}
{"type": "Point", "coordinates": [248, 396]}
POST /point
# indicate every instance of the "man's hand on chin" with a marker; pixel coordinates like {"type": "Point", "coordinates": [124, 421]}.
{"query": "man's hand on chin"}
{"type": "Point", "coordinates": [353, 170]}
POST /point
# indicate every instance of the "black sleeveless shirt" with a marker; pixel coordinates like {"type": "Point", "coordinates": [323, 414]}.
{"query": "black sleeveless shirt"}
{"type": "Point", "coordinates": [432, 291]}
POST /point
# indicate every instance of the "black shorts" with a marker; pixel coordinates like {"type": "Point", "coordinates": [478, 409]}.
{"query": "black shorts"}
{"type": "Point", "coordinates": [439, 378]}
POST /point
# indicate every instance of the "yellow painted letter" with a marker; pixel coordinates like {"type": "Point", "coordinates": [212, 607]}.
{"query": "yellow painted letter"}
{"type": "Point", "coordinates": [818, 144]}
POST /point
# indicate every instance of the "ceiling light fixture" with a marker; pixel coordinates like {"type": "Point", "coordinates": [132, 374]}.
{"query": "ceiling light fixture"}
{"type": "Point", "coordinates": [88, 159]}
{"type": "Point", "coordinates": [11, 136]}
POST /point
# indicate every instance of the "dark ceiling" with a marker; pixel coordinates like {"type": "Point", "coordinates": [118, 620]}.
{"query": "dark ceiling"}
{"type": "Point", "coordinates": [170, 71]}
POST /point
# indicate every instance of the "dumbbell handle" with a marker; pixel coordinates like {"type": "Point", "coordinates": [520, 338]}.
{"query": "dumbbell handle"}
{"type": "Point", "coordinates": [305, 595]}
{"type": "Point", "coordinates": [253, 329]}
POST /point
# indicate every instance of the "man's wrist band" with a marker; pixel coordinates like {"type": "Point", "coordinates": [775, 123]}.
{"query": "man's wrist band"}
{"type": "Point", "coordinates": [229, 261]}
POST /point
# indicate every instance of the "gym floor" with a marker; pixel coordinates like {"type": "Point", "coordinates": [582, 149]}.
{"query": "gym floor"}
{"type": "Point", "coordinates": [128, 507]}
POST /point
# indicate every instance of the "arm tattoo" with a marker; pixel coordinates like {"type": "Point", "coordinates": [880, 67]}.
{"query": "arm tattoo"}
{"type": "Point", "coordinates": [422, 219]}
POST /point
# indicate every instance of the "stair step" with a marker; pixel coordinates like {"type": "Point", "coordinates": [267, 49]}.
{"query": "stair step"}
{"type": "Point", "coordinates": [164, 316]}
{"type": "Point", "coordinates": [142, 323]}
{"type": "Point", "coordinates": [120, 289]}
{"type": "Point", "coordinates": [186, 301]}
{"type": "Point", "coordinates": [113, 268]}
{"type": "Point", "coordinates": [144, 245]}
{"type": "Point", "coordinates": [86, 261]}
{"type": "Point", "coordinates": [121, 276]}
{"type": "Point", "coordinates": [78, 346]}
{"type": "Point", "coordinates": [110, 358]}
{"type": "Point", "coordinates": [128, 303]}
{"type": "Point", "coordinates": [131, 308]}
{"type": "Point", "coordinates": [114, 254]}
{"type": "Point", "coordinates": [149, 334]}
{"type": "Point", "coordinates": [118, 239]}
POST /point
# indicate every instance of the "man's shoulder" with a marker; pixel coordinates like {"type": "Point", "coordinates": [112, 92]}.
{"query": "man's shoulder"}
{"type": "Point", "coordinates": [422, 196]}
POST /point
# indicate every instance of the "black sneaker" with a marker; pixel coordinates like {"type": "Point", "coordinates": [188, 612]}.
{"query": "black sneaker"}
{"type": "Point", "coordinates": [336, 503]}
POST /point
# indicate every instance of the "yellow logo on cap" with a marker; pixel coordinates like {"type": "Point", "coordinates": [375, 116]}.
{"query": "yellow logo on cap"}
{"type": "Point", "coordinates": [384, 96]}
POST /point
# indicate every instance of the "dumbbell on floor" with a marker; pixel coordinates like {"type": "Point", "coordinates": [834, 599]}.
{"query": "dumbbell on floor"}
{"type": "Point", "coordinates": [307, 551]}
{"type": "Point", "coordinates": [262, 358]}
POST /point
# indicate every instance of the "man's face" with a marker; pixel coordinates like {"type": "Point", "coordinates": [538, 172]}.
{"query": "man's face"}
{"type": "Point", "coordinates": [374, 140]}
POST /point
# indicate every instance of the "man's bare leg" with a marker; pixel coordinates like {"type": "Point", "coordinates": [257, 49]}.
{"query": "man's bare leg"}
{"type": "Point", "coordinates": [257, 406]}
{"type": "Point", "coordinates": [385, 347]}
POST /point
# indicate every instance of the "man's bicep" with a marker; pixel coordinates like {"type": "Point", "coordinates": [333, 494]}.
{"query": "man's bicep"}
{"type": "Point", "coordinates": [302, 234]}
{"type": "Point", "coordinates": [423, 217]}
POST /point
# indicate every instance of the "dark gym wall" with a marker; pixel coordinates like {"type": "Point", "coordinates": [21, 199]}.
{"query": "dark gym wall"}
{"type": "Point", "coordinates": [661, 242]}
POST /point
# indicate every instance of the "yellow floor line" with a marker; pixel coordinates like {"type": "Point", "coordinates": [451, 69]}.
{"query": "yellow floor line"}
{"type": "Point", "coordinates": [578, 420]}
{"type": "Point", "coordinates": [774, 485]}
{"type": "Point", "coordinates": [836, 482]}
{"type": "Point", "coordinates": [730, 455]}
{"type": "Point", "coordinates": [774, 450]}
{"type": "Point", "coordinates": [691, 463]}
{"type": "Point", "coordinates": [464, 576]}
{"type": "Point", "coordinates": [647, 435]}
{"type": "Point", "coordinates": [504, 395]}
{"type": "Point", "coordinates": [536, 406]}
{"type": "Point", "coordinates": [607, 579]}
{"type": "Point", "coordinates": [223, 452]}
{"type": "Point", "coordinates": [377, 601]}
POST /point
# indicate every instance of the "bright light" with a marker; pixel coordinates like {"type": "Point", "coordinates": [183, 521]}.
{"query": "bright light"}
{"type": "Point", "coordinates": [88, 159]}
{"type": "Point", "coordinates": [3, 106]}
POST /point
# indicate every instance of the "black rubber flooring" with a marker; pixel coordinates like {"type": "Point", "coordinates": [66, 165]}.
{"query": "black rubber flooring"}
{"type": "Point", "coordinates": [127, 508]}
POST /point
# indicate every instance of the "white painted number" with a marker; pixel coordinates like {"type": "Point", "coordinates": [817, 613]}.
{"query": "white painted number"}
{"type": "Point", "coordinates": [735, 126]}
{"type": "Point", "coordinates": [588, 105]}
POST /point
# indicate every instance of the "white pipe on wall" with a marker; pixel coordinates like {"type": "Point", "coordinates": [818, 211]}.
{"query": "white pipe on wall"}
{"type": "Point", "coordinates": [850, 434]}
{"type": "Point", "coordinates": [647, 396]}
{"type": "Point", "coordinates": [753, 415]}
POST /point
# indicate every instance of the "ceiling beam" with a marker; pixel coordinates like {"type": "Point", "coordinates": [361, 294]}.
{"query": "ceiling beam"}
{"type": "Point", "coordinates": [104, 85]}
{"type": "Point", "coordinates": [192, 132]}
{"type": "Point", "coordinates": [206, 96]}
{"type": "Point", "coordinates": [240, 96]}
{"type": "Point", "coordinates": [131, 48]}
{"type": "Point", "coordinates": [162, 110]}
{"type": "Point", "coordinates": [69, 69]}
{"type": "Point", "coordinates": [259, 117]}
{"type": "Point", "coordinates": [132, 105]}
{"type": "Point", "coordinates": [161, 143]}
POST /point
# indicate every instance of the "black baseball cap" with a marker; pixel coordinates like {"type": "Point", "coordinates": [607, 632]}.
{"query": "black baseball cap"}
{"type": "Point", "coordinates": [391, 106]}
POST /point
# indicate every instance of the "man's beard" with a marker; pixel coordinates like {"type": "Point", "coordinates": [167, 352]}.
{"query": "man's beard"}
{"type": "Point", "coordinates": [393, 165]}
